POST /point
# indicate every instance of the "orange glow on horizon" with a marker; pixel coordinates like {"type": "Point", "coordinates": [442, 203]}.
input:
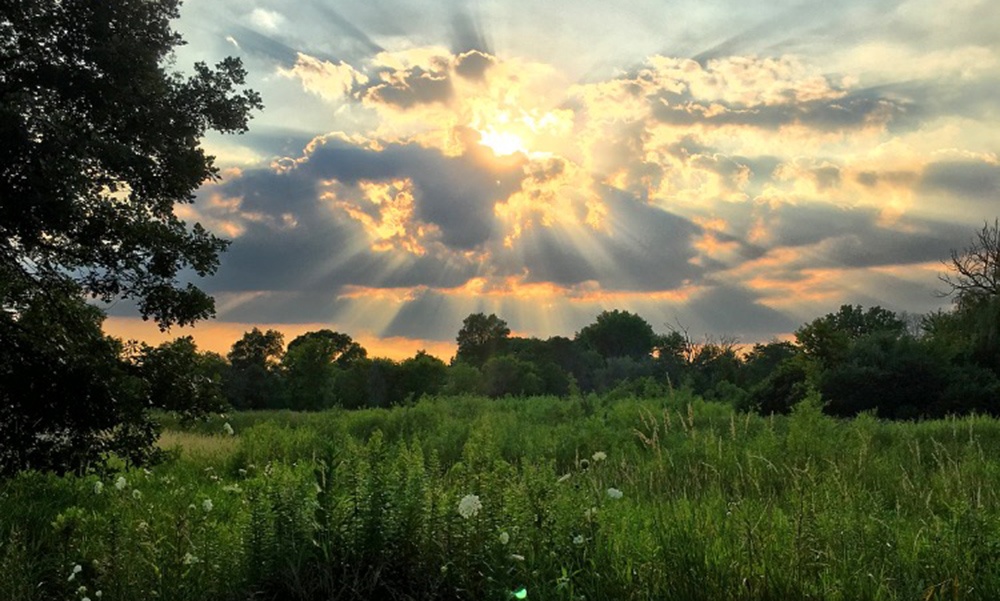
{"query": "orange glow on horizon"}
{"type": "Point", "coordinates": [219, 336]}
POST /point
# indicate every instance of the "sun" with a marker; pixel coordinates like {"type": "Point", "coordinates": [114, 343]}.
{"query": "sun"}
{"type": "Point", "coordinates": [502, 143]}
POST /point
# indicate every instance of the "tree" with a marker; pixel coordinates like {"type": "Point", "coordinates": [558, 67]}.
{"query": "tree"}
{"type": "Point", "coordinates": [422, 374]}
{"type": "Point", "coordinates": [619, 334]}
{"type": "Point", "coordinates": [509, 376]}
{"type": "Point", "coordinates": [976, 268]}
{"type": "Point", "coordinates": [181, 379]}
{"type": "Point", "coordinates": [100, 142]}
{"type": "Point", "coordinates": [252, 381]}
{"type": "Point", "coordinates": [829, 338]}
{"type": "Point", "coordinates": [66, 397]}
{"type": "Point", "coordinates": [310, 366]}
{"type": "Point", "coordinates": [480, 338]}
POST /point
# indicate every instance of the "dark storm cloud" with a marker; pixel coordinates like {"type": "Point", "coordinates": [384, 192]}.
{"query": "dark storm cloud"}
{"type": "Point", "coordinates": [455, 193]}
{"type": "Point", "coordinates": [871, 179]}
{"type": "Point", "coordinates": [411, 87]}
{"type": "Point", "coordinates": [429, 316]}
{"type": "Point", "coordinates": [645, 248]}
{"type": "Point", "coordinates": [732, 310]}
{"type": "Point", "coordinates": [854, 238]}
{"type": "Point", "coordinates": [473, 64]}
{"type": "Point", "coordinates": [974, 180]}
{"type": "Point", "coordinates": [855, 110]}
{"type": "Point", "coordinates": [293, 240]}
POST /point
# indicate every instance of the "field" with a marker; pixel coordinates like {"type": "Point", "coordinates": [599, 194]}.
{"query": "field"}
{"type": "Point", "coordinates": [541, 498]}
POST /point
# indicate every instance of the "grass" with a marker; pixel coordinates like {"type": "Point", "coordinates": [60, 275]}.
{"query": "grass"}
{"type": "Point", "coordinates": [364, 505]}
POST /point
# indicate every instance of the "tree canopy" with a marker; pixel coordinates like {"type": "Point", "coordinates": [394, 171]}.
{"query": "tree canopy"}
{"type": "Point", "coordinates": [101, 140]}
{"type": "Point", "coordinates": [480, 337]}
{"type": "Point", "coordinates": [619, 334]}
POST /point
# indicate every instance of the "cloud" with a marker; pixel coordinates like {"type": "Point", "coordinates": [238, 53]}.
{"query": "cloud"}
{"type": "Point", "coordinates": [975, 180]}
{"type": "Point", "coordinates": [737, 192]}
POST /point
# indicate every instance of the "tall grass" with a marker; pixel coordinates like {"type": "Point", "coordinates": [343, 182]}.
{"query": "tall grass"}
{"type": "Point", "coordinates": [579, 499]}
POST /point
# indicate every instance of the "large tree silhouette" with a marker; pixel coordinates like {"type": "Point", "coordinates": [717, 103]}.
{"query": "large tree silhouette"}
{"type": "Point", "coordinates": [100, 143]}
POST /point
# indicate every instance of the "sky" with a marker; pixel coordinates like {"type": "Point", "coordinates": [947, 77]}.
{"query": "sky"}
{"type": "Point", "coordinates": [732, 168]}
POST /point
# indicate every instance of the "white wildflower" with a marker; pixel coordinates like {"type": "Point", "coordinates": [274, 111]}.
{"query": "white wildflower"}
{"type": "Point", "coordinates": [136, 494]}
{"type": "Point", "coordinates": [504, 538]}
{"type": "Point", "coordinates": [190, 559]}
{"type": "Point", "coordinates": [98, 594]}
{"type": "Point", "coordinates": [562, 478]}
{"type": "Point", "coordinates": [76, 570]}
{"type": "Point", "coordinates": [614, 493]}
{"type": "Point", "coordinates": [578, 539]}
{"type": "Point", "coordinates": [98, 487]}
{"type": "Point", "coordinates": [599, 456]}
{"type": "Point", "coordinates": [469, 506]}
{"type": "Point", "coordinates": [85, 599]}
{"type": "Point", "coordinates": [206, 505]}
{"type": "Point", "coordinates": [228, 429]}
{"type": "Point", "coordinates": [82, 590]}
{"type": "Point", "coordinates": [121, 483]}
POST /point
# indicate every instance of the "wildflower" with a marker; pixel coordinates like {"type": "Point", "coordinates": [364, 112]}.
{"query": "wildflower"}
{"type": "Point", "coordinates": [242, 472]}
{"type": "Point", "coordinates": [76, 570]}
{"type": "Point", "coordinates": [599, 456]}
{"type": "Point", "coordinates": [584, 465]}
{"type": "Point", "coordinates": [228, 429]}
{"type": "Point", "coordinates": [82, 590]}
{"type": "Point", "coordinates": [190, 559]}
{"type": "Point", "coordinates": [136, 494]}
{"type": "Point", "coordinates": [98, 594]}
{"type": "Point", "coordinates": [98, 487]}
{"type": "Point", "coordinates": [562, 478]}
{"type": "Point", "coordinates": [469, 506]}
{"type": "Point", "coordinates": [578, 539]}
{"type": "Point", "coordinates": [121, 483]}
{"type": "Point", "coordinates": [206, 505]}
{"type": "Point", "coordinates": [233, 488]}
{"type": "Point", "coordinates": [85, 599]}
{"type": "Point", "coordinates": [614, 493]}
{"type": "Point", "coordinates": [504, 538]}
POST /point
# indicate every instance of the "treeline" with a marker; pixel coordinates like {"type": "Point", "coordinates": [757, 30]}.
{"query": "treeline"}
{"type": "Point", "coordinates": [853, 360]}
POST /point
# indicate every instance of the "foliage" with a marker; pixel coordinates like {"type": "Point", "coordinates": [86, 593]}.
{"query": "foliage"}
{"type": "Point", "coordinates": [422, 375]}
{"type": "Point", "coordinates": [53, 353]}
{"type": "Point", "coordinates": [619, 334]}
{"type": "Point", "coordinates": [252, 381]}
{"type": "Point", "coordinates": [100, 143]}
{"type": "Point", "coordinates": [480, 338]}
{"type": "Point", "coordinates": [309, 367]}
{"type": "Point", "coordinates": [509, 376]}
{"type": "Point", "coordinates": [829, 338]}
{"type": "Point", "coordinates": [179, 378]}
{"type": "Point", "coordinates": [471, 498]}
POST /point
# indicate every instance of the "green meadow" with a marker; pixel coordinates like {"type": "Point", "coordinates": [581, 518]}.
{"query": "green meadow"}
{"type": "Point", "coordinates": [470, 498]}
